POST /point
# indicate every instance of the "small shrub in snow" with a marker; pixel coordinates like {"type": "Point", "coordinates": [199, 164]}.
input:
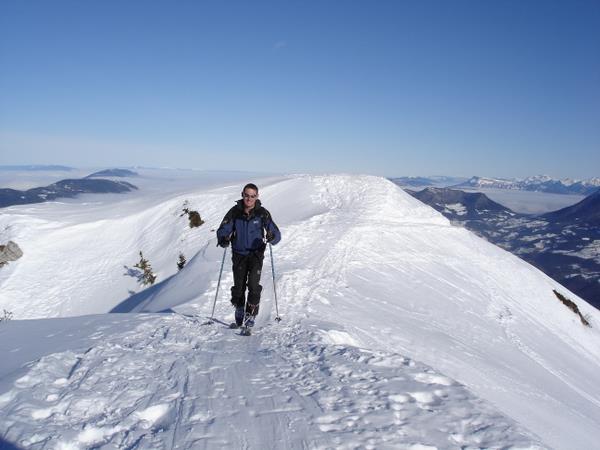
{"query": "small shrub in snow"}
{"type": "Point", "coordinates": [147, 276]}
{"type": "Point", "coordinates": [181, 262]}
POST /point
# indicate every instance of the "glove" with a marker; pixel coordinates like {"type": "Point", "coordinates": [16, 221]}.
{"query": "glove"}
{"type": "Point", "coordinates": [223, 242]}
{"type": "Point", "coordinates": [270, 236]}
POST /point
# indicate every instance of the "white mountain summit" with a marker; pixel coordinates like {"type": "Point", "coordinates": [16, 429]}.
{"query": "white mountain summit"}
{"type": "Point", "coordinates": [399, 330]}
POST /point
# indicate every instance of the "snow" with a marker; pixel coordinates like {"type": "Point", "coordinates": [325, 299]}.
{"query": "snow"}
{"type": "Point", "coordinates": [399, 330]}
{"type": "Point", "coordinates": [590, 251]}
{"type": "Point", "coordinates": [336, 337]}
{"type": "Point", "coordinates": [170, 380]}
{"type": "Point", "coordinates": [456, 208]}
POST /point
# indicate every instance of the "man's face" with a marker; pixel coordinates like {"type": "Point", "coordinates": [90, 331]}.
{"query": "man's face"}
{"type": "Point", "coordinates": [250, 196]}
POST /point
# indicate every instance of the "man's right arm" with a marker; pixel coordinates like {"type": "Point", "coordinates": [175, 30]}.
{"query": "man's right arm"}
{"type": "Point", "coordinates": [225, 229]}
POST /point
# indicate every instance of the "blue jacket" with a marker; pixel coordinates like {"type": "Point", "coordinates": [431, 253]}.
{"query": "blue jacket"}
{"type": "Point", "coordinates": [246, 231]}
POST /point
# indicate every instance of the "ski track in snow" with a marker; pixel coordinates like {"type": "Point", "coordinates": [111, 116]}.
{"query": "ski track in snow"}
{"type": "Point", "coordinates": [321, 378]}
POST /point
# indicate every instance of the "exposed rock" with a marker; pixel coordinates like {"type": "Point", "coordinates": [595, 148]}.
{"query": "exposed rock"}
{"type": "Point", "coordinates": [9, 252]}
{"type": "Point", "coordinates": [572, 306]}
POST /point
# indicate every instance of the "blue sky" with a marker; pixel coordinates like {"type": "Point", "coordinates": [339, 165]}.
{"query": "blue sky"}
{"type": "Point", "coordinates": [504, 88]}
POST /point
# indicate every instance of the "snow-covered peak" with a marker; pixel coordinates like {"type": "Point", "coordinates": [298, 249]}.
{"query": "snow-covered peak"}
{"type": "Point", "coordinates": [537, 179]}
{"type": "Point", "coordinates": [487, 182]}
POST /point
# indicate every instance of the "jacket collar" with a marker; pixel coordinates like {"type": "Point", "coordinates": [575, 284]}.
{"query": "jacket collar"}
{"type": "Point", "coordinates": [257, 206]}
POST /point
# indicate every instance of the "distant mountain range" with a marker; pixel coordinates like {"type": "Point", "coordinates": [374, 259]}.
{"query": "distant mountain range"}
{"type": "Point", "coordinates": [113, 173]}
{"type": "Point", "coordinates": [62, 189]}
{"type": "Point", "coordinates": [541, 183]}
{"type": "Point", "coordinates": [37, 167]}
{"type": "Point", "coordinates": [565, 244]}
{"type": "Point", "coordinates": [439, 181]}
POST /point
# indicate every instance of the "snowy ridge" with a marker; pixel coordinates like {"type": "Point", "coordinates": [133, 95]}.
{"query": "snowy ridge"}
{"type": "Point", "coordinates": [399, 331]}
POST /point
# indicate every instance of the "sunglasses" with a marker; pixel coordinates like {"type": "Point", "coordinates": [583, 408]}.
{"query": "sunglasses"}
{"type": "Point", "coordinates": [250, 196]}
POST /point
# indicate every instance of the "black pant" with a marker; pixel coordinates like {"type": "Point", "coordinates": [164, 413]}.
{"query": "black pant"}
{"type": "Point", "coordinates": [246, 272]}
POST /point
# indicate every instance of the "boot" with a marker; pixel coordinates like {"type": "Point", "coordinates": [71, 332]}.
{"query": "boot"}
{"type": "Point", "coordinates": [249, 320]}
{"type": "Point", "coordinates": [239, 315]}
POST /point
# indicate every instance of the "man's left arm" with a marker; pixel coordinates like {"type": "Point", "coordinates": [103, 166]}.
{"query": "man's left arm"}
{"type": "Point", "coordinates": [273, 234]}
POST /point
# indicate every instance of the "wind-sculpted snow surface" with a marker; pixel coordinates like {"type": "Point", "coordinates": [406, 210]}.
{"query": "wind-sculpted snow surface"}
{"type": "Point", "coordinates": [399, 331]}
{"type": "Point", "coordinates": [171, 383]}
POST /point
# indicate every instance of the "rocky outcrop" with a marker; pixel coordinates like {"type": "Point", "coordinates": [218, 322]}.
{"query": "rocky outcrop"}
{"type": "Point", "coordinates": [9, 252]}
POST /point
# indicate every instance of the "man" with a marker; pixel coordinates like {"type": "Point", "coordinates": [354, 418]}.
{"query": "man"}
{"type": "Point", "coordinates": [247, 226]}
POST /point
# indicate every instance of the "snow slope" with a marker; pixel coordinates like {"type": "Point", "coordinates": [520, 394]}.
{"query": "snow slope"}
{"type": "Point", "coordinates": [399, 331]}
{"type": "Point", "coordinates": [79, 255]}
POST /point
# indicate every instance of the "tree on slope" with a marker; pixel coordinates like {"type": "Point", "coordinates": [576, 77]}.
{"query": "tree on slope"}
{"type": "Point", "coordinates": [147, 276]}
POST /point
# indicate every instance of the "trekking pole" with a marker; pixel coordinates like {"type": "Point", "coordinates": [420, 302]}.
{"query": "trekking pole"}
{"type": "Point", "coordinates": [277, 318]}
{"type": "Point", "coordinates": [212, 314]}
